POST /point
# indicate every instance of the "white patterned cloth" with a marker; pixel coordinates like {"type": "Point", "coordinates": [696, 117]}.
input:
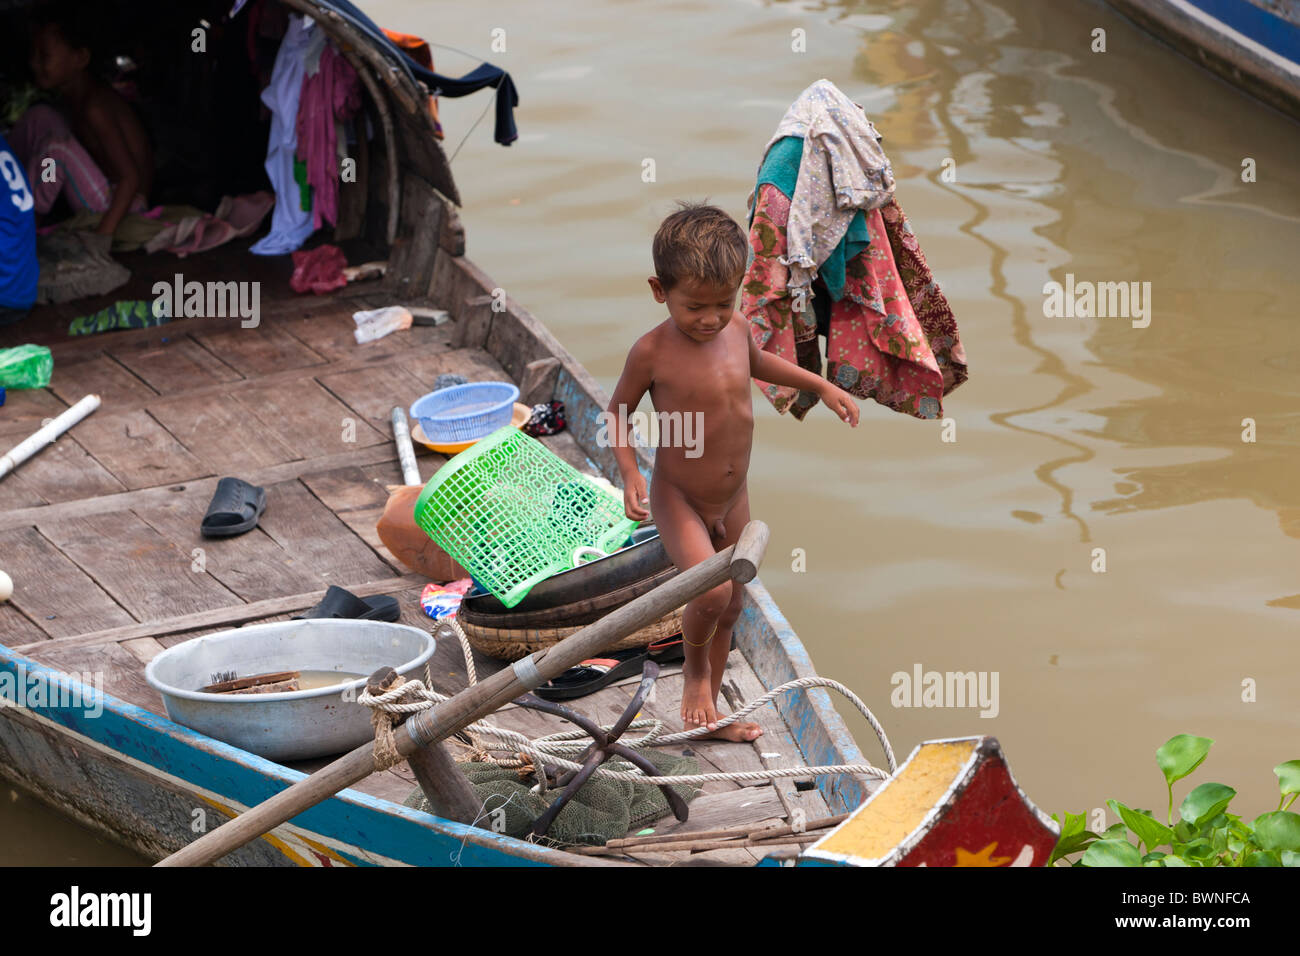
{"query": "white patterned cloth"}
{"type": "Point", "coordinates": [843, 169]}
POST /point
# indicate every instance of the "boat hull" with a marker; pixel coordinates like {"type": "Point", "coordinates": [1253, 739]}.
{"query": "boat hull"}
{"type": "Point", "coordinates": [1253, 44]}
{"type": "Point", "coordinates": [155, 786]}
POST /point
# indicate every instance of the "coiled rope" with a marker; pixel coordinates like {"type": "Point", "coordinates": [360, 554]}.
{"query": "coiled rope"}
{"type": "Point", "coordinates": [412, 696]}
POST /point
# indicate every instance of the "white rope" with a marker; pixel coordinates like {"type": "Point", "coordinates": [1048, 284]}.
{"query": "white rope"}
{"type": "Point", "coordinates": [414, 696]}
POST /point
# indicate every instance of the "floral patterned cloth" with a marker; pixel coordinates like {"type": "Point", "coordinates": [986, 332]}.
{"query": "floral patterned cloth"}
{"type": "Point", "coordinates": [892, 336]}
{"type": "Point", "coordinates": [843, 169]}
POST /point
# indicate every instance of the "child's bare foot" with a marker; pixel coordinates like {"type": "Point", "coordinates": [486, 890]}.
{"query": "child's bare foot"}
{"type": "Point", "coordinates": [741, 732]}
{"type": "Point", "coordinates": [697, 701]}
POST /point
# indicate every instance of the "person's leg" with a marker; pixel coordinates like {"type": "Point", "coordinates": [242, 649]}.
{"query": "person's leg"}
{"type": "Point", "coordinates": [733, 523]}
{"type": "Point", "coordinates": [687, 543]}
{"type": "Point", "coordinates": [41, 134]}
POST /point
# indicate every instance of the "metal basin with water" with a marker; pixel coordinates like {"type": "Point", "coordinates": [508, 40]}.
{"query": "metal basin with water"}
{"type": "Point", "coordinates": [297, 725]}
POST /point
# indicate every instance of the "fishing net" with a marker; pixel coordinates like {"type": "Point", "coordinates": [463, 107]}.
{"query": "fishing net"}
{"type": "Point", "coordinates": [601, 811]}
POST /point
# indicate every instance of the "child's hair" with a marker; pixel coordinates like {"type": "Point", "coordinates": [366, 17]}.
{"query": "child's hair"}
{"type": "Point", "coordinates": [80, 23]}
{"type": "Point", "coordinates": [699, 242]}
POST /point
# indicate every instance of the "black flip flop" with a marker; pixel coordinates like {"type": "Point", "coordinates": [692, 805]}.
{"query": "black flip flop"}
{"type": "Point", "coordinates": [593, 674]}
{"type": "Point", "coordinates": [667, 651]}
{"type": "Point", "coordinates": [235, 507]}
{"type": "Point", "coordinates": [340, 603]}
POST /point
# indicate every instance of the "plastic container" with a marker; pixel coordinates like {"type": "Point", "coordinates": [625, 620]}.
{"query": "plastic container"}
{"type": "Point", "coordinates": [512, 513]}
{"type": "Point", "coordinates": [26, 366]}
{"type": "Point", "coordinates": [465, 412]}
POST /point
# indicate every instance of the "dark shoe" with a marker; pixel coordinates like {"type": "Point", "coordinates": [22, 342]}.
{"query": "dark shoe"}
{"type": "Point", "coordinates": [593, 675]}
{"type": "Point", "coordinates": [344, 604]}
{"type": "Point", "coordinates": [235, 507]}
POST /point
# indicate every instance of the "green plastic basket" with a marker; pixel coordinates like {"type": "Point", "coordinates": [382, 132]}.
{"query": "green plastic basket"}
{"type": "Point", "coordinates": [513, 513]}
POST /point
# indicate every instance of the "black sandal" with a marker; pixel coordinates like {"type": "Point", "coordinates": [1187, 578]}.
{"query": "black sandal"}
{"type": "Point", "coordinates": [338, 602]}
{"type": "Point", "coordinates": [235, 507]}
{"type": "Point", "coordinates": [667, 651]}
{"type": "Point", "coordinates": [593, 675]}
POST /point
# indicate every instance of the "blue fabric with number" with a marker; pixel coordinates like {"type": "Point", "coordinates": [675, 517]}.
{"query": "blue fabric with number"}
{"type": "Point", "coordinates": [18, 270]}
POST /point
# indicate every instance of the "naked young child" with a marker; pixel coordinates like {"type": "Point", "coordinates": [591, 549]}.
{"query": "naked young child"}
{"type": "Point", "coordinates": [699, 362]}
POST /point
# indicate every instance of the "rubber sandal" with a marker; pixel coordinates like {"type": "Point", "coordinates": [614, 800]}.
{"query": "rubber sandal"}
{"type": "Point", "coordinates": [667, 651]}
{"type": "Point", "coordinates": [593, 675]}
{"type": "Point", "coordinates": [235, 507]}
{"type": "Point", "coordinates": [344, 604]}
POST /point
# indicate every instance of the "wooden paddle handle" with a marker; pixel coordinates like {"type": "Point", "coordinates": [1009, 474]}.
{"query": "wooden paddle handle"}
{"type": "Point", "coordinates": [471, 704]}
{"type": "Point", "coordinates": [748, 552]}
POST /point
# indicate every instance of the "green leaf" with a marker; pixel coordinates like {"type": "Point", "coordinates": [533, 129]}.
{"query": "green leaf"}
{"type": "Point", "coordinates": [1290, 858]}
{"type": "Point", "coordinates": [1267, 858]}
{"type": "Point", "coordinates": [1074, 836]}
{"type": "Point", "coordinates": [1149, 830]}
{"type": "Point", "coordinates": [1112, 853]}
{"type": "Point", "coordinates": [1198, 851]}
{"type": "Point", "coordinates": [1183, 831]}
{"type": "Point", "coordinates": [1288, 776]}
{"type": "Point", "coordinates": [1173, 860]}
{"type": "Point", "coordinates": [1279, 830]}
{"type": "Point", "coordinates": [1181, 755]}
{"type": "Point", "coordinates": [1205, 803]}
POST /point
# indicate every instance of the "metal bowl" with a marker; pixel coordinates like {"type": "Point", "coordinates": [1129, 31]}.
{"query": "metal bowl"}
{"type": "Point", "coordinates": [292, 725]}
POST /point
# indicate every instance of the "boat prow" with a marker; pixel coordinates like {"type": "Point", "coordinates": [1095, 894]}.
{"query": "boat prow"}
{"type": "Point", "coordinates": [953, 803]}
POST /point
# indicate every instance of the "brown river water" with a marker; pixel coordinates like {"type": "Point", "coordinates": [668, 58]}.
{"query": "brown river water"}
{"type": "Point", "coordinates": [1072, 434]}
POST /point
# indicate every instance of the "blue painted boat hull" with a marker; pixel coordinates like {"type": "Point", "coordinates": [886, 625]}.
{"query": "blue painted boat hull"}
{"type": "Point", "coordinates": [1253, 44]}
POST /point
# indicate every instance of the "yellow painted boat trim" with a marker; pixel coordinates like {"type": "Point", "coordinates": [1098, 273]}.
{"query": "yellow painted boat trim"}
{"type": "Point", "coordinates": [903, 804]}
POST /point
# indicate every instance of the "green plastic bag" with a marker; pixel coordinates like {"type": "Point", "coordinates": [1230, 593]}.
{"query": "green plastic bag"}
{"type": "Point", "coordinates": [26, 366]}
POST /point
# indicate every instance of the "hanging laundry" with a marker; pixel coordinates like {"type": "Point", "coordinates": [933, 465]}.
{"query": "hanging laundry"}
{"type": "Point", "coordinates": [330, 94]}
{"type": "Point", "coordinates": [486, 75]}
{"type": "Point", "coordinates": [290, 225]}
{"type": "Point", "coordinates": [891, 335]}
{"type": "Point", "coordinates": [842, 170]}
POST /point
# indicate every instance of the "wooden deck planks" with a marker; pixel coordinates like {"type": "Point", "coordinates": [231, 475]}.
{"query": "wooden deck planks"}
{"type": "Point", "coordinates": [372, 391]}
{"type": "Point", "coordinates": [316, 539]}
{"type": "Point", "coordinates": [63, 471]}
{"type": "Point", "coordinates": [221, 434]}
{"type": "Point", "coordinates": [50, 589]}
{"type": "Point", "coordinates": [307, 418]}
{"type": "Point", "coordinates": [251, 565]}
{"type": "Point", "coordinates": [108, 667]}
{"type": "Point", "coordinates": [98, 374]}
{"type": "Point", "coordinates": [137, 450]}
{"type": "Point", "coordinates": [257, 351]}
{"type": "Point", "coordinates": [172, 364]}
{"type": "Point", "coordinates": [142, 570]}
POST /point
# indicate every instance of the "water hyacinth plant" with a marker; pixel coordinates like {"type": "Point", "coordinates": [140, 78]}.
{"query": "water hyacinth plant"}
{"type": "Point", "coordinates": [1206, 834]}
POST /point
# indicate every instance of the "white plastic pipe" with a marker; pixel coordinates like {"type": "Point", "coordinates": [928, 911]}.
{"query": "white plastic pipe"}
{"type": "Point", "coordinates": [30, 446]}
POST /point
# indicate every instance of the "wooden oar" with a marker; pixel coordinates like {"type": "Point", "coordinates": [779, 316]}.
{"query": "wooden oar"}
{"type": "Point", "coordinates": [739, 562]}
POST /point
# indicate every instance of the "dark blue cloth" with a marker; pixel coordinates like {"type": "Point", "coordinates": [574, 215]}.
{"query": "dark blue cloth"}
{"type": "Point", "coordinates": [486, 75]}
{"type": "Point", "coordinates": [18, 269]}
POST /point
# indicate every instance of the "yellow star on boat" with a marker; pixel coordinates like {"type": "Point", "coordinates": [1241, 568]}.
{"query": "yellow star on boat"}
{"type": "Point", "coordinates": [982, 858]}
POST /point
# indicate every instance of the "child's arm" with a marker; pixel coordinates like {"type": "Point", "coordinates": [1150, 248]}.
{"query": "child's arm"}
{"type": "Point", "coordinates": [123, 167]}
{"type": "Point", "coordinates": [776, 370]}
{"type": "Point", "coordinates": [631, 388]}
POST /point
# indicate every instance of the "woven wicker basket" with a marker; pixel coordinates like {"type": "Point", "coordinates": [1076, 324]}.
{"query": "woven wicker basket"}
{"type": "Point", "coordinates": [511, 644]}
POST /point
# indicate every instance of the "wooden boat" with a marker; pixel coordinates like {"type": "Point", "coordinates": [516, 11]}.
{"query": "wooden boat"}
{"type": "Point", "coordinates": [100, 534]}
{"type": "Point", "coordinates": [1253, 44]}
